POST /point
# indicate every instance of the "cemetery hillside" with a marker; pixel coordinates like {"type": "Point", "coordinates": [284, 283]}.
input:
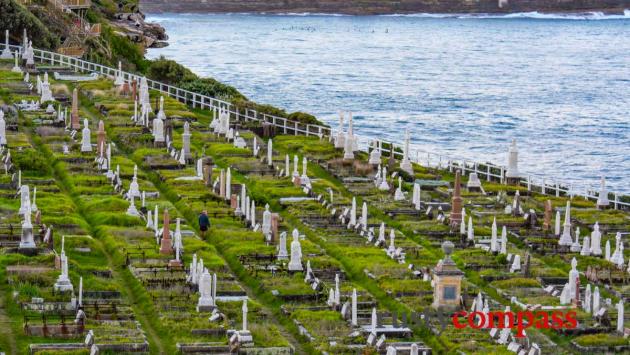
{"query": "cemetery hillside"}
{"type": "Point", "coordinates": [320, 241]}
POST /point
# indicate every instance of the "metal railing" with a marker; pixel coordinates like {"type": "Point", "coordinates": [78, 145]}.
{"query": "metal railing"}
{"type": "Point", "coordinates": [489, 171]}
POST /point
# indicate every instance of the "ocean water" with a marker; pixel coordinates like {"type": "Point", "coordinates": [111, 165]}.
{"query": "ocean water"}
{"type": "Point", "coordinates": [463, 85]}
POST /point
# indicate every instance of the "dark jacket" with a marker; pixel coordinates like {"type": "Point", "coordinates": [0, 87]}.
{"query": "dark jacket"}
{"type": "Point", "coordinates": [204, 221]}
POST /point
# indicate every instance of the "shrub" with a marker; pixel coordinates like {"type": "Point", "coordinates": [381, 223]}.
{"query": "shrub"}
{"type": "Point", "coordinates": [16, 17]}
{"type": "Point", "coordinates": [211, 87]}
{"type": "Point", "coordinates": [169, 71]}
{"type": "Point", "coordinates": [31, 160]}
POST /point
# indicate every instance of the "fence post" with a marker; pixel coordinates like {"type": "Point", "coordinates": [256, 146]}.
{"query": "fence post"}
{"type": "Point", "coordinates": [529, 183]}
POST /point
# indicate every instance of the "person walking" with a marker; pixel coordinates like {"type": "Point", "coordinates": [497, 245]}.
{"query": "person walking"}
{"type": "Point", "coordinates": [204, 223]}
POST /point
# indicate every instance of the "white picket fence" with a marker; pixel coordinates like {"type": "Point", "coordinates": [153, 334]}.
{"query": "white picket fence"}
{"type": "Point", "coordinates": [489, 171]}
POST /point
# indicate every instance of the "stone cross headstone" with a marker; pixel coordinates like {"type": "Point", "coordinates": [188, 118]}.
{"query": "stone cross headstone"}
{"type": "Point", "coordinates": [6, 52]}
{"type": "Point", "coordinates": [602, 200]}
{"type": "Point", "coordinates": [16, 67]}
{"type": "Point", "coordinates": [63, 282]}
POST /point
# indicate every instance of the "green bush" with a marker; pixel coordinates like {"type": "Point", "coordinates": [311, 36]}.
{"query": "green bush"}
{"type": "Point", "coordinates": [30, 160]}
{"type": "Point", "coordinates": [304, 117]}
{"type": "Point", "coordinates": [16, 17]}
{"type": "Point", "coordinates": [169, 71]}
{"type": "Point", "coordinates": [211, 87]}
{"type": "Point", "coordinates": [602, 339]}
{"type": "Point", "coordinates": [501, 259]}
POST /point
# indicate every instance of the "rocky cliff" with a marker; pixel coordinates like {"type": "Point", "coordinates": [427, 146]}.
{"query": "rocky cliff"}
{"type": "Point", "coordinates": [369, 7]}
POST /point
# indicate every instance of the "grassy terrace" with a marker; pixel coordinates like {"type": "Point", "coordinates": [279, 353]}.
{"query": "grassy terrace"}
{"type": "Point", "coordinates": [120, 263]}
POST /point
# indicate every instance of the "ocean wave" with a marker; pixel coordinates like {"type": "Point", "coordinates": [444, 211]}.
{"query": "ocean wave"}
{"type": "Point", "coordinates": [302, 14]}
{"type": "Point", "coordinates": [593, 15]}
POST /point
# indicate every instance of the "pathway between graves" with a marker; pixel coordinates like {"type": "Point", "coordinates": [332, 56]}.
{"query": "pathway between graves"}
{"type": "Point", "coordinates": [132, 289]}
{"type": "Point", "coordinates": [249, 283]}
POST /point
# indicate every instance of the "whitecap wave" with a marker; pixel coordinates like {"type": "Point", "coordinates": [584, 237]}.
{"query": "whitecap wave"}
{"type": "Point", "coordinates": [593, 15]}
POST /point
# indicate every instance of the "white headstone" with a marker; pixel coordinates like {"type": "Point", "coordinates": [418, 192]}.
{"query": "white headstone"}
{"type": "Point", "coordinates": [205, 291]}
{"type": "Point", "coordinates": [504, 240]}
{"type": "Point", "coordinates": [587, 299]}
{"type": "Point", "coordinates": [596, 240]}
{"type": "Point", "coordinates": [586, 247]}
{"type": "Point", "coordinates": [494, 245]}
{"type": "Point", "coordinates": [405, 164]}
{"type": "Point", "coordinates": [620, 326]}
{"type": "Point", "coordinates": [269, 152]}
{"type": "Point", "coordinates": [282, 247]}
{"type": "Point", "coordinates": [596, 300]}
{"type": "Point", "coordinates": [398, 194]}
{"type": "Point", "coordinates": [86, 145]}
{"type": "Point", "coordinates": [353, 212]}
{"type": "Point", "coordinates": [416, 196]}
{"type": "Point", "coordinates": [566, 239]}
{"type": "Point", "coordinates": [63, 281]}
{"type": "Point", "coordinates": [266, 221]}
{"type": "Point", "coordinates": [354, 321]}
{"type": "Point", "coordinates": [512, 169]}
{"type": "Point", "coordinates": [602, 200]}
{"type": "Point", "coordinates": [244, 309]}
{"type": "Point", "coordinates": [573, 278]}
{"type": "Point", "coordinates": [3, 131]}
{"type": "Point", "coordinates": [295, 264]}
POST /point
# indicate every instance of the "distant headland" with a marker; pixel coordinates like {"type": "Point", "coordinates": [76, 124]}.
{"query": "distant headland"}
{"type": "Point", "coordinates": [381, 7]}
